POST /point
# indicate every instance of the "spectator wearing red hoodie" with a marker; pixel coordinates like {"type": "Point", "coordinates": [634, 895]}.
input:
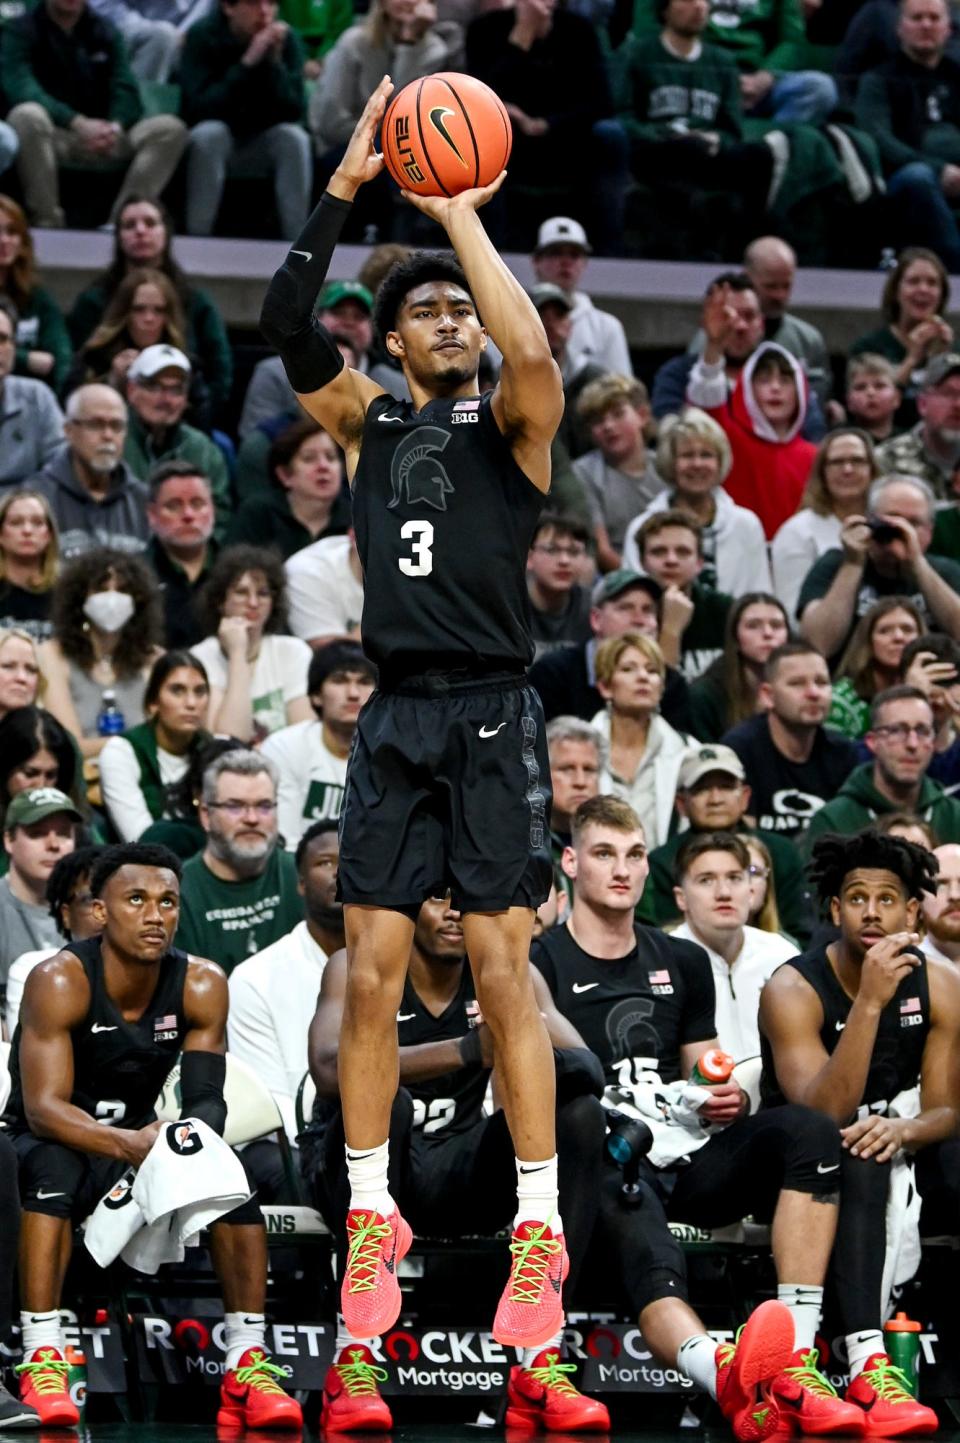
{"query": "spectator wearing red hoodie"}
{"type": "Point", "coordinates": [762, 414]}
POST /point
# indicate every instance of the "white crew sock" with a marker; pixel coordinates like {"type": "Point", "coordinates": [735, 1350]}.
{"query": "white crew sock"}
{"type": "Point", "coordinates": [537, 1194]}
{"type": "Point", "coordinates": [552, 1345]}
{"type": "Point", "coordinates": [367, 1171]}
{"type": "Point", "coordinates": [41, 1330]}
{"type": "Point", "coordinates": [242, 1331]}
{"type": "Point", "coordinates": [346, 1340]}
{"type": "Point", "coordinates": [805, 1306]}
{"type": "Point", "coordinates": [697, 1360]}
{"type": "Point", "coordinates": [861, 1346]}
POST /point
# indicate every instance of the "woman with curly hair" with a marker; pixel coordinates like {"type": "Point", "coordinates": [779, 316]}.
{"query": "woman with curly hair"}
{"type": "Point", "coordinates": [29, 561]}
{"type": "Point", "coordinates": [43, 341]}
{"type": "Point", "coordinates": [107, 630]}
{"type": "Point", "coordinates": [143, 234]}
{"type": "Point", "coordinates": [145, 310]}
{"type": "Point", "coordinates": [258, 673]}
{"type": "Point", "coordinates": [871, 662]}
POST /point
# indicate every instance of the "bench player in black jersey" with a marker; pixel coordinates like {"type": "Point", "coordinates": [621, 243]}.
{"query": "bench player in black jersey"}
{"type": "Point", "coordinates": [644, 1003]}
{"type": "Point", "coordinates": [448, 783]}
{"type": "Point", "coordinates": [101, 1025]}
{"type": "Point", "coordinates": [850, 1028]}
{"type": "Point", "coordinates": [451, 1166]}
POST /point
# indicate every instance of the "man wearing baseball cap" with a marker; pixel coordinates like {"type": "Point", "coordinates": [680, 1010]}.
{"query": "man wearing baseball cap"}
{"type": "Point", "coordinates": [931, 448]}
{"type": "Point", "coordinates": [621, 601]}
{"type": "Point", "coordinates": [158, 394]}
{"type": "Point", "coordinates": [560, 257]}
{"type": "Point", "coordinates": [713, 796]}
{"type": "Point", "coordinates": [39, 828]}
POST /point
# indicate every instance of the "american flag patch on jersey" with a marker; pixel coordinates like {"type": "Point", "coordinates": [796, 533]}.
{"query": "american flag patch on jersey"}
{"type": "Point", "coordinates": [472, 405]}
{"type": "Point", "coordinates": [165, 1028]}
{"type": "Point", "coordinates": [659, 979]}
{"type": "Point", "coordinates": [910, 1004]}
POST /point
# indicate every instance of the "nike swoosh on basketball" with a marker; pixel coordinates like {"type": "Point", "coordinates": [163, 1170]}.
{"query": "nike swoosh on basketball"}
{"type": "Point", "coordinates": [307, 255]}
{"type": "Point", "coordinates": [832, 1168]}
{"type": "Point", "coordinates": [579, 987]}
{"type": "Point", "coordinates": [41, 1196]}
{"type": "Point", "coordinates": [484, 733]}
{"type": "Point", "coordinates": [438, 115]}
{"type": "Point", "coordinates": [98, 1027]}
{"type": "Point", "coordinates": [405, 1016]}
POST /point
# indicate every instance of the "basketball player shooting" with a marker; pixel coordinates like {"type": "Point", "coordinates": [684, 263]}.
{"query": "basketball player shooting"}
{"type": "Point", "coordinates": [448, 784]}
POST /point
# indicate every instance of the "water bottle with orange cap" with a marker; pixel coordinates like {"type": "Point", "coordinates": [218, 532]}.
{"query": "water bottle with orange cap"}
{"type": "Point", "coordinates": [713, 1067]}
{"type": "Point", "coordinates": [902, 1337]}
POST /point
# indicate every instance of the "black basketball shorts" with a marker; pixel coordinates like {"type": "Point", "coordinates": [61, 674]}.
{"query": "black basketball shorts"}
{"type": "Point", "coordinates": [448, 786]}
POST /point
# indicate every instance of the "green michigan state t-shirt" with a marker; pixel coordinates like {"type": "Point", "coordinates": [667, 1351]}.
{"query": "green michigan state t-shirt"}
{"type": "Point", "coordinates": [229, 921]}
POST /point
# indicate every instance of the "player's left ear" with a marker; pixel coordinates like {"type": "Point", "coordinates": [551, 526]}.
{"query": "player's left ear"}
{"type": "Point", "coordinates": [835, 911]}
{"type": "Point", "coordinates": [568, 863]}
{"type": "Point", "coordinates": [99, 911]}
{"type": "Point", "coordinates": [395, 344]}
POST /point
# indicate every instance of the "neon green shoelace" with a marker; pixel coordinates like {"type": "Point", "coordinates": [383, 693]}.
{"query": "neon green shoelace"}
{"type": "Point", "coordinates": [531, 1263]}
{"type": "Point", "coordinates": [359, 1377]}
{"type": "Point", "coordinates": [889, 1382]}
{"type": "Point", "coordinates": [363, 1261]}
{"type": "Point", "coordinates": [809, 1376]}
{"type": "Point", "coordinates": [728, 1351]}
{"type": "Point", "coordinates": [551, 1376]}
{"type": "Point", "coordinates": [48, 1374]}
{"type": "Point", "coordinates": [261, 1375]}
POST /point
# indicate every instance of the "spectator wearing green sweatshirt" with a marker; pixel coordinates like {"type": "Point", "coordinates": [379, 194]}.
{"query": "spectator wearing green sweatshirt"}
{"type": "Point", "coordinates": [901, 737]}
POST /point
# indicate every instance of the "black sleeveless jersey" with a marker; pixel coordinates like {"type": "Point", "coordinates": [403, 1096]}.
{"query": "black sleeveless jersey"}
{"type": "Point", "coordinates": [452, 1102]}
{"type": "Point", "coordinates": [634, 1012]}
{"type": "Point", "coordinates": [119, 1067]}
{"type": "Point", "coordinates": [444, 519]}
{"type": "Point", "coordinates": [901, 1032]}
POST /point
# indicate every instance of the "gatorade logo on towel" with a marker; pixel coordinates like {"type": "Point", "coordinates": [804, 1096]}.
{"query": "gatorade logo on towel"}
{"type": "Point", "coordinates": [119, 1195]}
{"type": "Point", "coordinates": [183, 1138]}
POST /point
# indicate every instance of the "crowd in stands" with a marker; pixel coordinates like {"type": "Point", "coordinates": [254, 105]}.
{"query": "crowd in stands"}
{"type": "Point", "coordinates": [671, 127]}
{"type": "Point", "coordinates": [744, 590]}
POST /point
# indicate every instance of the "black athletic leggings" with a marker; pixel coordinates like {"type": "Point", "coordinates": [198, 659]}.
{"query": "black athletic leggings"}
{"type": "Point", "coordinates": [739, 1172]}
{"type": "Point", "coordinates": [466, 1184]}
{"type": "Point", "coordinates": [859, 1253]}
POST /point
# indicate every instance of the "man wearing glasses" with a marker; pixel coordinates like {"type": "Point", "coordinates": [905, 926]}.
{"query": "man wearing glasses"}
{"type": "Point", "coordinates": [240, 893]}
{"type": "Point", "coordinates": [559, 605]}
{"type": "Point", "coordinates": [95, 498]}
{"type": "Point", "coordinates": [158, 393]}
{"type": "Point", "coordinates": [901, 738]}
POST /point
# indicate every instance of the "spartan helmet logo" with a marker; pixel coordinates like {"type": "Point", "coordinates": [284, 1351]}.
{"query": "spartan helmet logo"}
{"type": "Point", "coordinates": [416, 470]}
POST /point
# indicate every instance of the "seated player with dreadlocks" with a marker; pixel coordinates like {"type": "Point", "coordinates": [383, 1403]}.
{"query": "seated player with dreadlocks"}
{"type": "Point", "coordinates": [847, 1028]}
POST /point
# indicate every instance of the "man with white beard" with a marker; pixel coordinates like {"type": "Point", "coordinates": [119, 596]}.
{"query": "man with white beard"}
{"type": "Point", "coordinates": [941, 910]}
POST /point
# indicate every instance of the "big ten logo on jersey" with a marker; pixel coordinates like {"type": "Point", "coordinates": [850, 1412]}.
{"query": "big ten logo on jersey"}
{"type": "Point", "coordinates": [466, 413]}
{"type": "Point", "coordinates": [911, 1012]}
{"type": "Point", "coordinates": [435, 1115]}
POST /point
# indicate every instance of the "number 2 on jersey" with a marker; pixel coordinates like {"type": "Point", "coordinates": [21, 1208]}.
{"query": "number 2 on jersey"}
{"type": "Point", "coordinates": [421, 562]}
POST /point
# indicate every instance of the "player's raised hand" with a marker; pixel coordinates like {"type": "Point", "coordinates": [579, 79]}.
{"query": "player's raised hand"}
{"type": "Point", "coordinates": [442, 208]}
{"type": "Point", "coordinates": [361, 161]}
{"type": "Point", "coordinates": [885, 965]}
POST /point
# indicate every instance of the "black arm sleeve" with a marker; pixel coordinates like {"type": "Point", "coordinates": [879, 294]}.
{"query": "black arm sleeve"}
{"type": "Point", "coordinates": [202, 1075]}
{"type": "Point", "coordinates": [310, 355]}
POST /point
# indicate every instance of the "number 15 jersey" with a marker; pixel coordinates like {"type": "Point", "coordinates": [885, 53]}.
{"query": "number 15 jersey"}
{"type": "Point", "coordinates": [444, 518]}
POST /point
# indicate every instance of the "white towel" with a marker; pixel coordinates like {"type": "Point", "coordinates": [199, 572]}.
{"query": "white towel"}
{"type": "Point", "coordinates": [671, 1111]}
{"type": "Point", "coordinates": [902, 1258]}
{"type": "Point", "coordinates": [188, 1180]}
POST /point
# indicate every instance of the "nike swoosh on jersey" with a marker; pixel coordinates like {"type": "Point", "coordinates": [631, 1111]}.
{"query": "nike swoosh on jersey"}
{"type": "Point", "coordinates": [307, 255]}
{"type": "Point", "coordinates": [579, 987]}
{"type": "Point", "coordinates": [834, 1166]}
{"type": "Point", "coordinates": [389, 418]}
{"type": "Point", "coordinates": [41, 1196]}
{"type": "Point", "coordinates": [840, 1026]}
{"type": "Point", "coordinates": [405, 1016]}
{"type": "Point", "coordinates": [98, 1027]}
{"type": "Point", "coordinates": [485, 734]}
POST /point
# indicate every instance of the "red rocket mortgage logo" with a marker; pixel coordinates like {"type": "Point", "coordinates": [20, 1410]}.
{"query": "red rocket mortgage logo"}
{"type": "Point", "coordinates": [191, 1336]}
{"type": "Point", "coordinates": [401, 1347]}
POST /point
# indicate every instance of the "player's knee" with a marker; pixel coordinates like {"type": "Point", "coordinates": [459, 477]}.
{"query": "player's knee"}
{"type": "Point", "coordinates": [864, 1181]}
{"type": "Point", "coordinates": [581, 1128]}
{"type": "Point", "coordinates": [374, 986]}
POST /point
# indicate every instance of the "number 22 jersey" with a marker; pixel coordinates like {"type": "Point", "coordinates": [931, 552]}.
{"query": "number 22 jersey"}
{"type": "Point", "coordinates": [444, 519]}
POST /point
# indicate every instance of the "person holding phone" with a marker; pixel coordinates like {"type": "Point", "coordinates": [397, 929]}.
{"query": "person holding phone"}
{"type": "Point", "coordinates": [848, 1029]}
{"type": "Point", "coordinates": [882, 553]}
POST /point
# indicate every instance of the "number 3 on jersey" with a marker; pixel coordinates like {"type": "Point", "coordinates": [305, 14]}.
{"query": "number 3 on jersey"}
{"type": "Point", "coordinates": [421, 534]}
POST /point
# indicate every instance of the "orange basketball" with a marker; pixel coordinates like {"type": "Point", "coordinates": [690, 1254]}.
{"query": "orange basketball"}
{"type": "Point", "coordinates": [444, 134]}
